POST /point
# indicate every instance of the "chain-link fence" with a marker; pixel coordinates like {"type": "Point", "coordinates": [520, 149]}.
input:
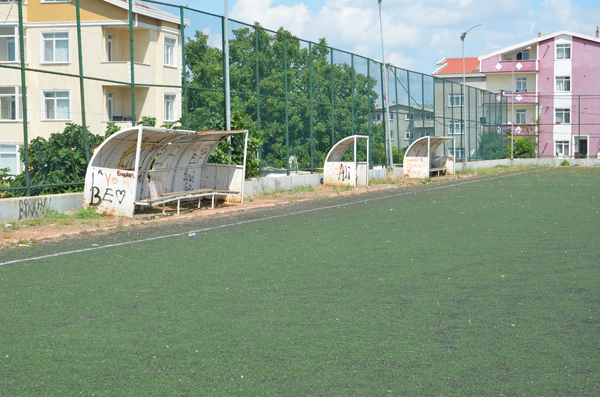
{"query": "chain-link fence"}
{"type": "Point", "coordinates": [81, 73]}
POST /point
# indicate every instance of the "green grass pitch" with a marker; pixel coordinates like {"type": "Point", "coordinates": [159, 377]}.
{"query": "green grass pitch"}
{"type": "Point", "coordinates": [484, 288]}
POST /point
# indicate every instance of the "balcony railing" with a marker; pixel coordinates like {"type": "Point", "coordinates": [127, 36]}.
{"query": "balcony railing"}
{"type": "Point", "coordinates": [507, 66]}
{"type": "Point", "coordinates": [521, 98]}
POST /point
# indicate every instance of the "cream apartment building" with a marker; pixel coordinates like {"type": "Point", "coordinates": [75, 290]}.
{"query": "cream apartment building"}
{"type": "Point", "coordinates": [51, 45]}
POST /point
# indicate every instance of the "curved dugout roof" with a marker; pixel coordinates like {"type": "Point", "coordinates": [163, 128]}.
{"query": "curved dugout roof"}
{"type": "Point", "coordinates": [419, 148]}
{"type": "Point", "coordinates": [161, 148]}
{"type": "Point", "coordinates": [339, 149]}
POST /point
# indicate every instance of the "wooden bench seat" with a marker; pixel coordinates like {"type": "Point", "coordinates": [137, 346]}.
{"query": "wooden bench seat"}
{"type": "Point", "coordinates": [438, 169]}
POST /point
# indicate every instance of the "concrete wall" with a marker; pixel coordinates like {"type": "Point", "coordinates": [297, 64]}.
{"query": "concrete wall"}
{"type": "Point", "coordinates": [23, 208]}
{"type": "Point", "coordinates": [256, 186]}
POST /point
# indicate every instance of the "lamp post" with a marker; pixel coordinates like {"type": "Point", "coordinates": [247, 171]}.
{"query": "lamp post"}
{"type": "Point", "coordinates": [389, 155]}
{"type": "Point", "coordinates": [512, 107]}
{"type": "Point", "coordinates": [463, 36]}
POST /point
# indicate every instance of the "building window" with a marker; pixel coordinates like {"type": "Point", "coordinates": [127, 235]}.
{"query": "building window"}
{"type": "Point", "coordinates": [562, 148]}
{"type": "Point", "coordinates": [376, 116]}
{"type": "Point", "coordinates": [407, 135]}
{"type": "Point", "coordinates": [455, 100]}
{"type": "Point", "coordinates": [563, 51]}
{"type": "Point", "coordinates": [563, 116]}
{"type": "Point", "coordinates": [391, 135]}
{"type": "Point", "coordinates": [11, 103]}
{"type": "Point", "coordinates": [169, 112]}
{"type": "Point", "coordinates": [563, 84]}
{"type": "Point", "coordinates": [458, 154]}
{"type": "Point", "coordinates": [56, 47]}
{"type": "Point", "coordinates": [109, 48]}
{"type": "Point", "coordinates": [521, 114]}
{"type": "Point", "coordinates": [109, 106]}
{"type": "Point", "coordinates": [409, 116]}
{"type": "Point", "coordinates": [9, 44]}
{"type": "Point", "coordinates": [457, 128]}
{"type": "Point", "coordinates": [391, 116]}
{"type": "Point", "coordinates": [523, 56]}
{"type": "Point", "coordinates": [9, 158]}
{"type": "Point", "coordinates": [56, 105]}
{"type": "Point", "coordinates": [170, 44]}
{"type": "Point", "coordinates": [521, 84]}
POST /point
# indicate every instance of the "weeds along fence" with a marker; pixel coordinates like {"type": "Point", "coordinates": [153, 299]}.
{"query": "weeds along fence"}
{"type": "Point", "coordinates": [74, 74]}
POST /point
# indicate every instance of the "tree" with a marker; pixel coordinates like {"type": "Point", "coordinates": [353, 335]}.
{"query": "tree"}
{"type": "Point", "coordinates": [58, 160]}
{"type": "Point", "coordinates": [273, 64]}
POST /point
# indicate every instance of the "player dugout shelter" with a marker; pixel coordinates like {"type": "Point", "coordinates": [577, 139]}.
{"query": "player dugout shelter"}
{"type": "Point", "coordinates": [147, 166]}
{"type": "Point", "coordinates": [421, 161]}
{"type": "Point", "coordinates": [353, 173]}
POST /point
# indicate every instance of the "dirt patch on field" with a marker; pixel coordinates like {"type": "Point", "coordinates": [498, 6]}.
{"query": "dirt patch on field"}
{"type": "Point", "coordinates": [53, 228]}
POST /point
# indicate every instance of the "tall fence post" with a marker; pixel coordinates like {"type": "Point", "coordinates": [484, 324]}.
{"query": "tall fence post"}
{"type": "Point", "coordinates": [332, 102]}
{"type": "Point", "coordinates": [384, 115]}
{"type": "Point", "coordinates": [24, 99]}
{"type": "Point", "coordinates": [131, 62]}
{"type": "Point", "coordinates": [311, 97]}
{"type": "Point", "coordinates": [352, 89]}
{"type": "Point", "coordinates": [81, 85]}
{"type": "Point", "coordinates": [183, 67]}
{"type": "Point", "coordinates": [256, 30]}
{"type": "Point", "coordinates": [396, 113]}
{"type": "Point", "coordinates": [370, 158]}
{"type": "Point", "coordinates": [287, 126]}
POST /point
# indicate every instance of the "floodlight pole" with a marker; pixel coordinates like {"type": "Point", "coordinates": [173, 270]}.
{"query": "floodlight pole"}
{"type": "Point", "coordinates": [389, 152]}
{"type": "Point", "coordinates": [463, 36]}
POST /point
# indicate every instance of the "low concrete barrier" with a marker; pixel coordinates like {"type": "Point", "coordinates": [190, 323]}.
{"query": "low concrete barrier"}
{"type": "Point", "coordinates": [254, 186]}
{"type": "Point", "coordinates": [22, 208]}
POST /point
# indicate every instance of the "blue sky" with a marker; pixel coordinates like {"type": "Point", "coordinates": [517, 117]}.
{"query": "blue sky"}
{"type": "Point", "coordinates": [417, 33]}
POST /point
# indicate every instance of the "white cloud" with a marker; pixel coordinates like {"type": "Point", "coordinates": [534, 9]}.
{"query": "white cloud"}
{"type": "Point", "coordinates": [402, 61]}
{"type": "Point", "coordinates": [419, 33]}
{"type": "Point", "coordinates": [214, 39]}
{"type": "Point", "coordinates": [294, 18]}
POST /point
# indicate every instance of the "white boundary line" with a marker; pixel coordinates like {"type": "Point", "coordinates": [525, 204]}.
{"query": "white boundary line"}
{"type": "Point", "coordinates": [263, 219]}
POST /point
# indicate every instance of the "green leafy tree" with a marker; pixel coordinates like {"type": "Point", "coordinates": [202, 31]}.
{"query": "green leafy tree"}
{"type": "Point", "coordinates": [522, 148]}
{"type": "Point", "coordinates": [283, 61]}
{"type": "Point", "coordinates": [147, 121]}
{"type": "Point", "coordinates": [60, 159]}
{"type": "Point", "coordinates": [111, 128]}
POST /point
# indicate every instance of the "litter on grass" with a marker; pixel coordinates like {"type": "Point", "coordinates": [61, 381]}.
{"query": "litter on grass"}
{"type": "Point", "coordinates": [192, 235]}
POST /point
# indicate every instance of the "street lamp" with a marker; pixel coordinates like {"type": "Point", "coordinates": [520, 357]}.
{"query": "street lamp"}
{"type": "Point", "coordinates": [462, 38]}
{"type": "Point", "coordinates": [389, 152]}
{"type": "Point", "coordinates": [512, 106]}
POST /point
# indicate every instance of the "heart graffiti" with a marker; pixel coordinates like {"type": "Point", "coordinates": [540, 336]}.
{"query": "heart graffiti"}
{"type": "Point", "coordinates": [120, 194]}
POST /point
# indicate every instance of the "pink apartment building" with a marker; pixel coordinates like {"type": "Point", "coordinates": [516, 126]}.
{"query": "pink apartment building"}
{"type": "Point", "coordinates": [552, 87]}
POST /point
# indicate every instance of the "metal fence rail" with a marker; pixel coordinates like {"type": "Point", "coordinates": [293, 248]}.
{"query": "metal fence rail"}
{"type": "Point", "coordinates": [302, 97]}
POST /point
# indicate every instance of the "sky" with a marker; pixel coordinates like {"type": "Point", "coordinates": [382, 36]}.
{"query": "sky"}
{"type": "Point", "coordinates": [417, 33]}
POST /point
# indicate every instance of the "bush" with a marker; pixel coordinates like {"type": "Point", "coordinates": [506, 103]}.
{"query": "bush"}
{"type": "Point", "coordinates": [523, 147]}
{"type": "Point", "coordinates": [60, 159]}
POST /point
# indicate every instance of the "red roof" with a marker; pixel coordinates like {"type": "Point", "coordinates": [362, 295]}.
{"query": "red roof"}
{"type": "Point", "coordinates": [455, 65]}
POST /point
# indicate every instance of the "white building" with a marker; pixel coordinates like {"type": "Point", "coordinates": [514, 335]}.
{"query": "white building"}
{"type": "Point", "coordinates": [51, 45]}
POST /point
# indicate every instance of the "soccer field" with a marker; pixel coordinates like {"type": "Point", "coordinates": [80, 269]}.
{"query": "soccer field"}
{"type": "Point", "coordinates": [485, 286]}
